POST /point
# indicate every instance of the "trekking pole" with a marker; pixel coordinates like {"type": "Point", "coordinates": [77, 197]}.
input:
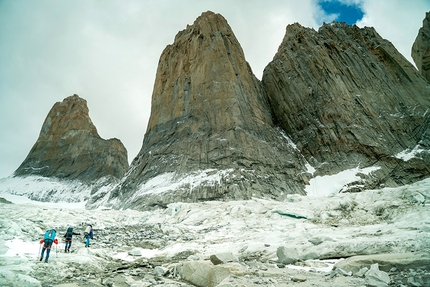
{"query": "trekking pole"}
{"type": "Point", "coordinates": [38, 254]}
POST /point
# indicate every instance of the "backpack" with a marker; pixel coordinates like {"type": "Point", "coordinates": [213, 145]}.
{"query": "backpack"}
{"type": "Point", "coordinates": [49, 236]}
{"type": "Point", "coordinates": [69, 233]}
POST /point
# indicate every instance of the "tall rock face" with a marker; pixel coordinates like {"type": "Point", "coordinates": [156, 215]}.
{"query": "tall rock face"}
{"type": "Point", "coordinates": [421, 48]}
{"type": "Point", "coordinates": [70, 148]}
{"type": "Point", "coordinates": [348, 98]}
{"type": "Point", "coordinates": [209, 119]}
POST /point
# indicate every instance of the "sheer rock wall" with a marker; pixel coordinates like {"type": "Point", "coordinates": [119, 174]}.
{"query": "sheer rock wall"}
{"type": "Point", "coordinates": [210, 114]}
{"type": "Point", "coordinates": [348, 98]}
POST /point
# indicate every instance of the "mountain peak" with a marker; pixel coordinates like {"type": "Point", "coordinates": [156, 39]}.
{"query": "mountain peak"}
{"type": "Point", "coordinates": [72, 114]}
{"type": "Point", "coordinates": [348, 98]}
{"type": "Point", "coordinates": [421, 48]}
{"type": "Point", "coordinates": [210, 116]}
{"type": "Point", "coordinates": [69, 146]}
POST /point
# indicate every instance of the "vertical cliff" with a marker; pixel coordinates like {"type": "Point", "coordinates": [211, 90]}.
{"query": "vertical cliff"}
{"type": "Point", "coordinates": [348, 98]}
{"type": "Point", "coordinates": [209, 117]}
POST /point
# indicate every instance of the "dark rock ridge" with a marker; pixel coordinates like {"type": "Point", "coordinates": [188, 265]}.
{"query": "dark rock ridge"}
{"type": "Point", "coordinates": [69, 147]}
{"type": "Point", "coordinates": [210, 116]}
{"type": "Point", "coordinates": [348, 98]}
{"type": "Point", "coordinates": [421, 48]}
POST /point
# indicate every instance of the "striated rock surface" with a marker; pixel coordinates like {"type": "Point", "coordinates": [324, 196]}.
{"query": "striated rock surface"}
{"type": "Point", "coordinates": [70, 148]}
{"type": "Point", "coordinates": [348, 98]}
{"type": "Point", "coordinates": [209, 119]}
{"type": "Point", "coordinates": [421, 48]}
{"type": "Point", "coordinates": [340, 99]}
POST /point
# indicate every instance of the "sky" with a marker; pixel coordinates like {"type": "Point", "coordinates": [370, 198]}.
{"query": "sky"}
{"type": "Point", "coordinates": [107, 52]}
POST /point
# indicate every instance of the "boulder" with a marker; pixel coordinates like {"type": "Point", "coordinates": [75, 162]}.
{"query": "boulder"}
{"type": "Point", "coordinates": [135, 253]}
{"type": "Point", "coordinates": [298, 278]}
{"type": "Point", "coordinates": [376, 278]}
{"type": "Point", "coordinates": [287, 255]}
{"type": "Point", "coordinates": [160, 271]}
{"type": "Point", "coordinates": [202, 273]}
{"type": "Point", "coordinates": [221, 258]}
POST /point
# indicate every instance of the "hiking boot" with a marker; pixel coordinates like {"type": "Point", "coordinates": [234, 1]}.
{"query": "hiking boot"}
{"type": "Point", "coordinates": [41, 257]}
{"type": "Point", "coordinates": [46, 261]}
{"type": "Point", "coordinates": [68, 250]}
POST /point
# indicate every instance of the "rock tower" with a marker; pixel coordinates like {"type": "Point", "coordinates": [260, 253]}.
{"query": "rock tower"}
{"type": "Point", "coordinates": [421, 48]}
{"type": "Point", "coordinates": [210, 119]}
{"type": "Point", "coordinates": [69, 147]}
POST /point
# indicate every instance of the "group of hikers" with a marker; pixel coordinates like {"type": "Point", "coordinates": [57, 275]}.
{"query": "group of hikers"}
{"type": "Point", "coordinates": [50, 235]}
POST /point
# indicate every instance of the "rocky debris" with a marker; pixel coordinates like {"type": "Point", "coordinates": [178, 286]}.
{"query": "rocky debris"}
{"type": "Point", "coordinates": [178, 245]}
{"type": "Point", "coordinates": [419, 277]}
{"type": "Point", "coordinates": [222, 258]}
{"type": "Point", "coordinates": [135, 253]}
{"type": "Point", "coordinates": [298, 278]}
{"type": "Point", "coordinates": [202, 273]}
{"type": "Point", "coordinates": [160, 271]}
{"type": "Point", "coordinates": [421, 48]}
{"type": "Point", "coordinates": [69, 147]}
{"type": "Point", "coordinates": [348, 98]}
{"type": "Point", "coordinates": [339, 271]}
{"type": "Point", "coordinates": [375, 277]}
{"type": "Point", "coordinates": [211, 133]}
{"type": "Point", "coordinates": [386, 262]}
{"type": "Point", "coordinates": [287, 255]}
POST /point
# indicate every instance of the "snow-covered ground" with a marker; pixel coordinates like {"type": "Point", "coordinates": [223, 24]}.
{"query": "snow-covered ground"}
{"type": "Point", "coordinates": [131, 247]}
{"type": "Point", "coordinates": [46, 189]}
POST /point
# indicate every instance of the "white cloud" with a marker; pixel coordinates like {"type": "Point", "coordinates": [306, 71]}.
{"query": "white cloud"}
{"type": "Point", "coordinates": [396, 20]}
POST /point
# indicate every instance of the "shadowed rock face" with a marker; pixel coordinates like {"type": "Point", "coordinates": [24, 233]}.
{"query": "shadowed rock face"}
{"type": "Point", "coordinates": [348, 98]}
{"type": "Point", "coordinates": [421, 48]}
{"type": "Point", "coordinates": [69, 147]}
{"type": "Point", "coordinates": [210, 115]}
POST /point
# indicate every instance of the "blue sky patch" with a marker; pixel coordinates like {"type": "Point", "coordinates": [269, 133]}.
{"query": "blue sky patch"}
{"type": "Point", "coordinates": [349, 14]}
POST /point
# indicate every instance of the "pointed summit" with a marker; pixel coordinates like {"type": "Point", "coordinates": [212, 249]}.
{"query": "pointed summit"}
{"type": "Point", "coordinates": [204, 74]}
{"type": "Point", "coordinates": [210, 134]}
{"type": "Point", "coordinates": [69, 147]}
{"type": "Point", "coordinates": [421, 48]}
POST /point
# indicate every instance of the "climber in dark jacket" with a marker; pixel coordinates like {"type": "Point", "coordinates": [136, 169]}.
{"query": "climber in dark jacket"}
{"type": "Point", "coordinates": [69, 234]}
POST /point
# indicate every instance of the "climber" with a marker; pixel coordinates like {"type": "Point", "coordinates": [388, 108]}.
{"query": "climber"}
{"type": "Point", "coordinates": [48, 239]}
{"type": "Point", "coordinates": [69, 234]}
{"type": "Point", "coordinates": [88, 234]}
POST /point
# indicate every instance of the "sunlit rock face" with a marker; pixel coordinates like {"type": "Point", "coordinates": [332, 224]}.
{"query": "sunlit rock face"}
{"type": "Point", "coordinates": [210, 117]}
{"type": "Point", "coordinates": [421, 48]}
{"type": "Point", "coordinates": [69, 147]}
{"type": "Point", "coordinates": [348, 98]}
{"type": "Point", "coordinates": [331, 100]}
